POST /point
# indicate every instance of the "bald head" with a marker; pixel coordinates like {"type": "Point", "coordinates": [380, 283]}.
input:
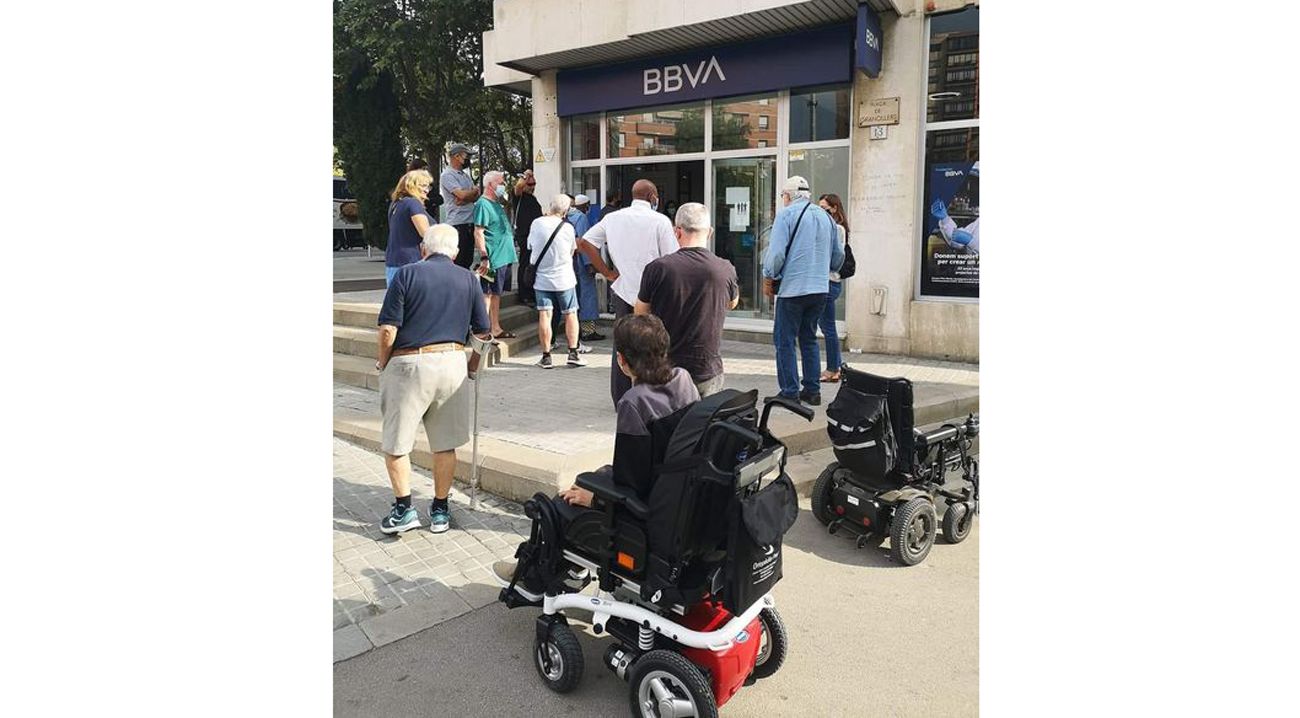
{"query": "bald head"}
{"type": "Point", "coordinates": [644, 189]}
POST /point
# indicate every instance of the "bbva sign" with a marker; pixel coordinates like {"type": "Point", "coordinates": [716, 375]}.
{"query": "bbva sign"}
{"type": "Point", "coordinates": [673, 77]}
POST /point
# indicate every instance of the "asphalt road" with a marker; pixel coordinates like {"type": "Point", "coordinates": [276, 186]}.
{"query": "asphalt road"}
{"type": "Point", "coordinates": [868, 638]}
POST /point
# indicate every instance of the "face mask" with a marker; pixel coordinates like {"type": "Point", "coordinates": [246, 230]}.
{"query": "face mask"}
{"type": "Point", "coordinates": [501, 191]}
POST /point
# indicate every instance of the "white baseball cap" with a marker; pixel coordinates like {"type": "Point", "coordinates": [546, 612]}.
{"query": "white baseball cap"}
{"type": "Point", "coordinates": [582, 199]}
{"type": "Point", "coordinates": [795, 184]}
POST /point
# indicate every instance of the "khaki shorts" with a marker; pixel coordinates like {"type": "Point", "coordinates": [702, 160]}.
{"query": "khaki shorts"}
{"type": "Point", "coordinates": [425, 388]}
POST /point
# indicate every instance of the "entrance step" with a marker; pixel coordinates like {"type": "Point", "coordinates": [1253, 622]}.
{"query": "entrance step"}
{"type": "Point", "coordinates": [356, 339]}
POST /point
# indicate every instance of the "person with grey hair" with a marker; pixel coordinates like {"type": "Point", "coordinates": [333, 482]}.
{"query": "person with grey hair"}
{"type": "Point", "coordinates": [691, 291]}
{"type": "Point", "coordinates": [551, 244]}
{"type": "Point", "coordinates": [430, 308]}
{"type": "Point", "coordinates": [495, 243]}
{"type": "Point", "coordinates": [803, 251]}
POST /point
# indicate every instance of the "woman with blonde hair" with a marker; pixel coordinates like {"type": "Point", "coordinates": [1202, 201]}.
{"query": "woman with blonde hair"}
{"type": "Point", "coordinates": [407, 221]}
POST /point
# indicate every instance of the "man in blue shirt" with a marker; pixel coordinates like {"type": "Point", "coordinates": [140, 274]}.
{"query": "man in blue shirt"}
{"type": "Point", "coordinates": [429, 309]}
{"type": "Point", "coordinates": [803, 251]}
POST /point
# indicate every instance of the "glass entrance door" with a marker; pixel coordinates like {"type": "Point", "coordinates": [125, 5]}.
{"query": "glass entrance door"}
{"type": "Point", "coordinates": [744, 202]}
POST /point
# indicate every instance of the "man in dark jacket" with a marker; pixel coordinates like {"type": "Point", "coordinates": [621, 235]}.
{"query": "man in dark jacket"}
{"type": "Point", "coordinates": [527, 209]}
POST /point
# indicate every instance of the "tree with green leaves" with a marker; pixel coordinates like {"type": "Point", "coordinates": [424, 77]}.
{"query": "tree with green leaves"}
{"type": "Point", "coordinates": [434, 50]}
{"type": "Point", "coordinates": [367, 134]}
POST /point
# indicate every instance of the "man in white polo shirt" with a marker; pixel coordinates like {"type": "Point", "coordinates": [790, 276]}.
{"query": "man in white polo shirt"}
{"type": "Point", "coordinates": [634, 237]}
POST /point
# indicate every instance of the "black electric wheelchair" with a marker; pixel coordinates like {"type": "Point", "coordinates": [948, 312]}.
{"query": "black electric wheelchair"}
{"type": "Point", "coordinates": [684, 577]}
{"type": "Point", "coordinates": [888, 476]}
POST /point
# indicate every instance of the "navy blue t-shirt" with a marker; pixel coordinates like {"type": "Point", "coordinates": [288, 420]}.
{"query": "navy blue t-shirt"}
{"type": "Point", "coordinates": [433, 302]}
{"type": "Point", "coordinates": [403, 240]}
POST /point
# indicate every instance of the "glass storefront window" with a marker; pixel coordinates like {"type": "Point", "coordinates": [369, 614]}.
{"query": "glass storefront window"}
{"type": "Point", "coordinates": [586, 180]}
{"type": "Point", "coordinates": [819, 113]}
{"type": "Point", "coordinates": [584, 137]}
{"type": "Point", "coordinates": [744, 122]}
{"type": "Point", "coordinates": [953, 89]}
{"type": "Point", "coordinates": [668, 130]}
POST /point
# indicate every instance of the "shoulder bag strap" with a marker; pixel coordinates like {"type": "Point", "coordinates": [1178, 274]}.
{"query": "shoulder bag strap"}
{"type": "Point", "coordinates": [548, 242]}
{"type": "Point", "coordinates": [793, 233]}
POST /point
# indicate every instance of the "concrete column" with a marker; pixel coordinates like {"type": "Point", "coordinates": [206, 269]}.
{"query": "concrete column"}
{"type": "Point", "coordinates": [546, 137]}
{"type": "Point", "coordinates": [883, 207]}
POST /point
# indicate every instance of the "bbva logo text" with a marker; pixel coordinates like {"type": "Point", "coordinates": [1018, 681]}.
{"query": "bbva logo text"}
{"type": "Point", "coordinates": [670, 78]}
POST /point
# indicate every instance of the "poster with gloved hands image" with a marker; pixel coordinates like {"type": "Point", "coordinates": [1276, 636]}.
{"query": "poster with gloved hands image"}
{"type": "Point", "coordinates": [950, 249]}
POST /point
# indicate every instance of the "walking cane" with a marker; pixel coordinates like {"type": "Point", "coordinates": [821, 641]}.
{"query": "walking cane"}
{"type": "Point", "coordinates": [481, 347]}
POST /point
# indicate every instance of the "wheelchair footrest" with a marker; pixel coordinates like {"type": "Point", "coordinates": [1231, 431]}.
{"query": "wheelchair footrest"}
{"type": "Point", "coordinates": [512, 599]}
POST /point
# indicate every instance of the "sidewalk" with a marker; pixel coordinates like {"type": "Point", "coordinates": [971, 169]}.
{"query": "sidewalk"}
{"type": "Point", "coordinates": [540, 428]}
{"type": "Point", "coordinates": [531, 421]}
{"type": "Point", "coordinates": [389, 587]}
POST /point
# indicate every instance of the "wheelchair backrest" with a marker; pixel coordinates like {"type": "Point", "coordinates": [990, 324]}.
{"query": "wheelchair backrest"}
{"type": "Point", "coordinates": [898, 395]}
{"type": "Point", "coordinates": [689, 499]}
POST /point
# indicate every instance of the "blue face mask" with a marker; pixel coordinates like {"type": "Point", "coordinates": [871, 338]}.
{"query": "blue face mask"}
{"type": "Point", "coordinates": [501, 191]}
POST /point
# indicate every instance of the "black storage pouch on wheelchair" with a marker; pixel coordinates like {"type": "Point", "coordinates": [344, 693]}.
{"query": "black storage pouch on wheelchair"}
{"type": "Point", "coordinates": [861, 432]}
{"type": "Point", "coordinates": [758, 526]}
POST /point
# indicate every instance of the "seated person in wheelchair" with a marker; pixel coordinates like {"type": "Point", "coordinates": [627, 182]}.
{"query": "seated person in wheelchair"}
{"type": "Point", "coordinates": [658, 390]}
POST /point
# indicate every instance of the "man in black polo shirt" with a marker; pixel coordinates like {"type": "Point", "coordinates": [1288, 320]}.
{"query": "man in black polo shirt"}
{"type": "Point", "coordinates": [429, 310]}
{"type": "Point", "coordinates": [691, 291]}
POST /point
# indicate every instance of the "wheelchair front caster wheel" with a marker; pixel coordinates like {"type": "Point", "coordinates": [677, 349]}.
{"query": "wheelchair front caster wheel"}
{"type": "Point", "coordinates": [957, 523]}
{"type": "Point", "coordinates": [913, 532]}
{"type": "Point", "coordinates": [862, 541]}
{"type": "Point", "coordinates": [663, 683]}
{"type": "Point", "coordinates": [772, 644]}
{"type": "Point", "coordinates": [559, 658]}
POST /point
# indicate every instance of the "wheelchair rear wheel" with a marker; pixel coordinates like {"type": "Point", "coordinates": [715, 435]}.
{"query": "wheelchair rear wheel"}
{"type": "Point", "coordinates": [663, 684]}
{"type": "Point", "coordinates": [773, 644]}
{"type": "Point", "coordinates": [559, 658]}
{"type": "Point", "coordinates": [957, 523]}
{"type": "Point", "coordinates": [821, 495]}
{"type": "Point", "coordinates": [913, 531]}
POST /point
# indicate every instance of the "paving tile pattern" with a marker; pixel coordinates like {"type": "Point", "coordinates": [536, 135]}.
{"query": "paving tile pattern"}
{"type": "Point", "coordinates": [375, 573]}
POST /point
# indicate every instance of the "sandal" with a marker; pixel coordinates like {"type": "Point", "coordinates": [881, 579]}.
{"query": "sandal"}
{"type": "Point", "coordinates": [830, 377]}
{"type": "Point", "coordinates": [505, 335]}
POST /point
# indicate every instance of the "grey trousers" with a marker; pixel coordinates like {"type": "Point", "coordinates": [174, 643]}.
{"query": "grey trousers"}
{"type": "Point", "coordinates": [710, 386]}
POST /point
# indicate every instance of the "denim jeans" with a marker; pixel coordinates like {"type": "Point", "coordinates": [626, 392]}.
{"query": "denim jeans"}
{"type": "Point", "coordinates": [827, 323]}
{"type": "Point", "coordinates": [796, 318]}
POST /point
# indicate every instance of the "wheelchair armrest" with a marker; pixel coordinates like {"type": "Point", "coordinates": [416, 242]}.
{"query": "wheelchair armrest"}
{"type": "Point", "coordinates": [602, 485]}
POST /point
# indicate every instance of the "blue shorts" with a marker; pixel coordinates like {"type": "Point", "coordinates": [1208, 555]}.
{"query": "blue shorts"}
{"type": "Point", "coordinates": [502, 283]}
{"type": "Point", "coordinates": [548, 299]}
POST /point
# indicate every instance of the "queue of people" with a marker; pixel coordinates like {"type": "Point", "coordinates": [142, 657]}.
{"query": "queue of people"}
{"type": "Point", "coordinates": [658, 268]}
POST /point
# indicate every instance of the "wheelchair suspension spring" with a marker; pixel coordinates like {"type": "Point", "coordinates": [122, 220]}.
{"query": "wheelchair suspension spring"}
{"type": "Point", "coordinates": [645, 639]}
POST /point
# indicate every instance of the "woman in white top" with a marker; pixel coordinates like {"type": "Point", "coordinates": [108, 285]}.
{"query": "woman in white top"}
{"type": "Point", "coordinates": [555, 284]}
{"type": "Point", "coordinates": [833, 206]}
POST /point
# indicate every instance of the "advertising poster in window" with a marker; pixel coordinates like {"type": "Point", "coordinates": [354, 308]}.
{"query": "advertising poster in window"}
{"type": "Point", "coordinates": [950, 248]}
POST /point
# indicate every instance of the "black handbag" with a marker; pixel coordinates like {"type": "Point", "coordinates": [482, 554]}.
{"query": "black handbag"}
{"type": "Point", "coordinates": [530, 271]}
{"type": "Point", "coordinates": [849, 267]}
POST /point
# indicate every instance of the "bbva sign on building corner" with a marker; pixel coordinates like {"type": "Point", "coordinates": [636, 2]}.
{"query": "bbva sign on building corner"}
{"type": "Point", "coordinates": [812, 57]}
